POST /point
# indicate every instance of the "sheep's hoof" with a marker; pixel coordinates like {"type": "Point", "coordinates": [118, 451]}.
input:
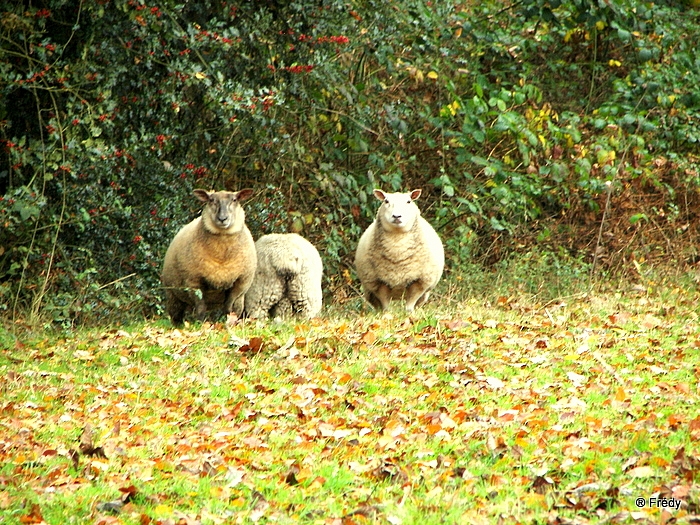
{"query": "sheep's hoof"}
{"type": "Point", "coordinates": [231, 319]}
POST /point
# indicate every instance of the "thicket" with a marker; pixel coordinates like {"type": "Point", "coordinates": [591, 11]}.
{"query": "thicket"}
{"type": "Point", "coordinates": [522, 121]}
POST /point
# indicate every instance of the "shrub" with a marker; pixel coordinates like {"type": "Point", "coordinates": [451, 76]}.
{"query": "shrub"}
{"type": "Point", "coordinates": [509, 116]}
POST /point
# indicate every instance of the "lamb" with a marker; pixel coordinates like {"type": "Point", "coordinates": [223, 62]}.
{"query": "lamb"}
{"type": "Point", "coordinates": [287, 280]}
{"type": "Point", "coordinates": [399, 254]}
{"type": "Point", "coordinates": [211, 261]}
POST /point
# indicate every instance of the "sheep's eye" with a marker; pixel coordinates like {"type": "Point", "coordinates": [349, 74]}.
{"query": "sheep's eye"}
{"type": "Point", "coordinates": [408, 201]}
{"type": "Point", "coordinates": [386, 201]}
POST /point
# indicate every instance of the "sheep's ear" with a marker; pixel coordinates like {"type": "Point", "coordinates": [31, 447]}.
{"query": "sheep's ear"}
{"type": "Point", "coordinates": [244, 194]}
{"type": "Point", "coordinates": [415, 194]}
{"type": "Point", "coordinates": [379, 194]}
{"type": "Point", "coordinates": [202, 195]}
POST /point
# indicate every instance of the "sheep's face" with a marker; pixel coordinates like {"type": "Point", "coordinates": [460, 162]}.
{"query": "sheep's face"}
{"type": "Point", "coordinates": [398, 211]}
{"type": "Point", "coordinates": [223, 210]}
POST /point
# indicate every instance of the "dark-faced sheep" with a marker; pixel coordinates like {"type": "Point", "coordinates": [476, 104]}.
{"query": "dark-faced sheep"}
{"type": "Point", "coordinates": [211, 262]}
{"type": "Point", "coordinates": [288, 279]}
{"type": "Point", "coordinates": [399, 255]}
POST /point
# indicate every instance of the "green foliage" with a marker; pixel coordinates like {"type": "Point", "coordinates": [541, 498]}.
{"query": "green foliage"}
{"type": "Point", "coordinates": [111, 112]}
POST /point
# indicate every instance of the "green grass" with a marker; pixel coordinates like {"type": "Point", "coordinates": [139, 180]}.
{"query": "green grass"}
{"type": "Point", "coordinates": [468, 411]}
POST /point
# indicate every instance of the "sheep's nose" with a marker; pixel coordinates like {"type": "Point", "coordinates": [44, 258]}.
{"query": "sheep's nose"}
{"type": "Point", "coordinates": [396, 216]}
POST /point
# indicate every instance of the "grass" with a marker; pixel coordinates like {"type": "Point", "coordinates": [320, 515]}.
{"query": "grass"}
{"type": "Point", "coordinates": [469, 411]}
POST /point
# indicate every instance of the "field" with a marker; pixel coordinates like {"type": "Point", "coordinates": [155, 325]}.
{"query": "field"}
{"type": "Point", "coordinates": [577, 410]}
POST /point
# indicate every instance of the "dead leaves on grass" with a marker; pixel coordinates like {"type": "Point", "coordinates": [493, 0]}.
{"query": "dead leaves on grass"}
{"type": "Point", "coordinates": [462, 408]}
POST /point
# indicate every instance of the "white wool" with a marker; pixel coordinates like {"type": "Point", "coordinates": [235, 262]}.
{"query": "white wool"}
{"type": "Point", "coordinates": [287, 280]}
{"type": "Point", "coordinates": [399, 255]}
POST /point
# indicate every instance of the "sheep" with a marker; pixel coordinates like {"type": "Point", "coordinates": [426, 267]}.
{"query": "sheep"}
{"type": "Point", "coordinates": [399, 254]}
{"type": "Point", "coordinates": [287, 280]}
{"type": "Point", "coordinates": [211, 261]}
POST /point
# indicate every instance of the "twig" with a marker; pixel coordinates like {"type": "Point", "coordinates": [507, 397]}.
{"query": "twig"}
{"type": "Point", "coordinates": [116, 281]}
{"type": "Point", "coordinates": [620, 168]}
{"type": "Point", "coordinates": [360, 124]}
{"type": "Point", "coordinates": [600, 235]}
{"type": "Point", "coordinates": [507, 8]}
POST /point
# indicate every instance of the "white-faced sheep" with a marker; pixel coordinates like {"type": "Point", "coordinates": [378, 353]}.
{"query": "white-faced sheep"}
{"type": "Point", "coordinates": [211, 262]}
{"type": "Point", "coordinates": [287, 280]}
{"type": "Point", "coordinates": [399, 255]}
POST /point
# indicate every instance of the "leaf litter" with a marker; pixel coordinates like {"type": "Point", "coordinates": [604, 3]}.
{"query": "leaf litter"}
{"type": "Point", "coordinates": [489, 415]}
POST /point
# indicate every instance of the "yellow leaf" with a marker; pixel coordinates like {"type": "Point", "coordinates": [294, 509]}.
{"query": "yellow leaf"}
{"type": "Point", "coordinates": [303, 474]}
{"type": "Point", "coordinates": [620, 395]}
{"type": "Point", "coordinates": [369, 337]}
{"type": "Point", "coordinates": [433, 75]}
{"type": "Point", "coordinates": [199, 75]}
{"type": "Point", "coordinates": [317, 483]}
{"type": "Point", "coordinates": [533, 499]}
{"type": "Point", "coordinates": [162, 510]}
{"type": "Point", "coordinates": [216, 492]}
{"type": "Point", "coordinates": [435, 492]}
{"type": "Point", "coordinates": [614, 63]}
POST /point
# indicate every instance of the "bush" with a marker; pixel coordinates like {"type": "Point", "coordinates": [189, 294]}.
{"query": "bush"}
{"type": "Point", "coordinates": [508, 117]}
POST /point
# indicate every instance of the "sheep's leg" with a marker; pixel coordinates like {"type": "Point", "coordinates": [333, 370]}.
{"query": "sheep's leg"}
{"type": "Point", "coordinates": [416, 295]}
{"type": "Point", "coordinates": [381, 296]}
{"type": "Point", "coordinates": [234, 300]}
{"type": "Point", "coordinates": [373, 300]}
{"type": "Point", "coordinates": [195, 290]}
{"type": "Point", "coordinates": [176, 309]}
{"type": "Point", "coordinates": [256, 313]}
{"type": "Point", "coordinates": [284, 308]}
{"type": "Point", "coordinates": [301, 308]}
{"type": "Point", "coordinates": [200, 307]}
{"type": "Point", "coordinates": [422, 299]}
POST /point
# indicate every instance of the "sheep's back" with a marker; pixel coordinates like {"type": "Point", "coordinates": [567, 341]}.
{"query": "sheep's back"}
{"type": "Point", "coordinates": [289, 254]}
{"type": "Point", "coordinates": [289, 269]}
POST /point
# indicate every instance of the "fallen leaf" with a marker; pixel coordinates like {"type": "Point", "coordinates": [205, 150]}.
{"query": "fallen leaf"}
{"type": "Point", "coordinates": [33, 516]}
{"type": "Point", "coordinates": [650, 322]}
{"type": "Point", "coordinates": [494, 382]}
{"type": "Point", "coordinates": [620, 395]}
{"type": "Point", "coordinates": [369, 337]}
{"type": "Point", "coordinates": [694, 424]}
{"type": "Point", "coordinates": [577, 379]}
{"type": "Point", "coordinates": [291, 477]}
{"type": "Point", "coordinates": [87, 448]}
{"type": "Point", "coordinates": [641, 472]}
{"type": "Point", "coordinates": [254, 345]}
